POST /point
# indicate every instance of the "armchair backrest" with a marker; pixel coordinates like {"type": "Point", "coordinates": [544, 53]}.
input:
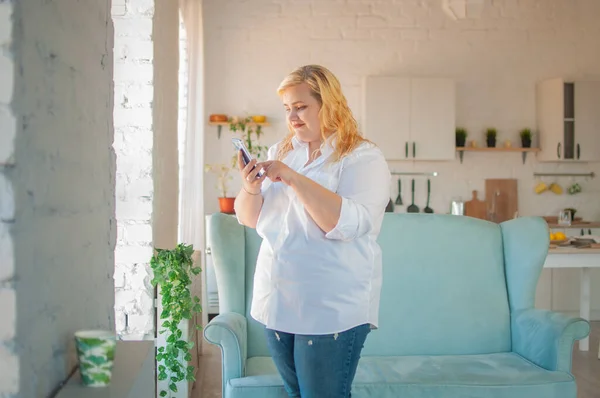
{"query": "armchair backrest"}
{"type": "Point", "coordinates": [449, 282]}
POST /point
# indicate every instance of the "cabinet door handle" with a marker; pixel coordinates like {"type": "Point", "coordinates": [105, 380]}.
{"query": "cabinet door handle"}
{"type": "Point", "coordinates": [414, 149]}
{"type": "Point", "coordinates": [406, 149]}
{"type": "Point", "coordinates": [578, 151]}
{"type": "Point", "coordinates": [558, 150]}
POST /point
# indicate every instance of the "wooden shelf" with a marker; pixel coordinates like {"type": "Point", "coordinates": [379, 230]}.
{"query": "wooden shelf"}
{"type": "Point", "coordinates": [576, 224]}
{"type": "Point", "coordinates": [524, 151]}
{"type": "Point", "coordinates": [227, 124]}
{"type": "Point", "coordinates": [221, 124]}
{"type": "Point", "coordinates": [497, 149]}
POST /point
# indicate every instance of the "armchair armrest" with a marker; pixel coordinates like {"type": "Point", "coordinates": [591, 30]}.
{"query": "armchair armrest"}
{"type": "Point", "coordinates": [229, 332]}
{"type": "Point", "coordinates": [546, 338]}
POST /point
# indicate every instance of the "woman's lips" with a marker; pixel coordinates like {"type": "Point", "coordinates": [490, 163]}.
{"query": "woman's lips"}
{"type": "Point", "coordinates": [297, 125]}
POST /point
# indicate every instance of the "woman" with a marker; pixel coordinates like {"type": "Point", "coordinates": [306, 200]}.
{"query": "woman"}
{"type": "Point", "coordinates": [318, 207]}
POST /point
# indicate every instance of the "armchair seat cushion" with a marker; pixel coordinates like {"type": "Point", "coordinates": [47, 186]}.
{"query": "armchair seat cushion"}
{"type": "Point", "coordinates": [500, 375]}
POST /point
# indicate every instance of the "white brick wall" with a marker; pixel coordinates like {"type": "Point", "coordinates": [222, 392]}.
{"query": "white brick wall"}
{"type": "Point", "coordinates": [146, 109]}
{"type": "Point", "coordinates": [9, 362]}
{"type": "Point", "coordinates": [134, 94]}
{"type": "Point", "coordinates": [496, 60]}
{"type": "Point", "coordinates": [62, 176]}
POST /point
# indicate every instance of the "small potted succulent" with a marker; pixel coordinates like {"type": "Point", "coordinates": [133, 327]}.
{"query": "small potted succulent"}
{"type": "Point", "coordinates": [490, 137]}
{"type": "Point", "coordinates": [525, 138]}
{"type": "Point", "coordinates": [461, 137]}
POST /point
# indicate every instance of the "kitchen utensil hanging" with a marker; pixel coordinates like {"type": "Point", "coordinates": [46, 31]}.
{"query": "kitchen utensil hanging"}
{"type": "Point", "coordinates": [427, 208]}
{"type": "Point", "coordinates": [413, 208]}
{"type": "Point", "coordinates": [399, 197]}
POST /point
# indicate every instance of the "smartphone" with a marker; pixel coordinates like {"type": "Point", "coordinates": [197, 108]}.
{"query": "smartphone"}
{"type": "Point", "coordinates": [246, 157]}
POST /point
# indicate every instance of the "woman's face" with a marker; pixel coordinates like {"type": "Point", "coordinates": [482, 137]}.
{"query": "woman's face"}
{"type": "Point", "coordinates": [302, 112]}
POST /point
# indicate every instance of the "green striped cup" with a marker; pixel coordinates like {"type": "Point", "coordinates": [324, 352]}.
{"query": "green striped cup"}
{"type": "Point", "coordinates": [96, 353]}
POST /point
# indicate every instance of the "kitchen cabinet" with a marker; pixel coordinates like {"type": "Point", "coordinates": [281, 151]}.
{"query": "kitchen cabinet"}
{"type": "Point", "coordinates": [386, 118]}
{"type": "Point", "coordinates": [568, 119]}
{"type": "Point", "coordinates": [410, 118]}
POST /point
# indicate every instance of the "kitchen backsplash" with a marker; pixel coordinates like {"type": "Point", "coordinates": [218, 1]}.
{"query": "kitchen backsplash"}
{"type": "Point", "coordinates": [459, 180]}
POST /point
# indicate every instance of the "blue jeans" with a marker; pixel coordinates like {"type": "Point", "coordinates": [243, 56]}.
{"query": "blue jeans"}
{"type": "Point", "coordinates": [317, 366]}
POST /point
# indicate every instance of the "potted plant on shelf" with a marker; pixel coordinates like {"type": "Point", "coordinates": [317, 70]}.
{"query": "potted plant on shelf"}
{"type": "Point", "coordinates": [222, 171]}
{"type": "Point", "coordinates": [250, 130]}
{"type": "Point", "coordinates": [461, 137]}
{"type": "Point", "coordinates": [490, 137]}
{"type": "Point", "coordinates": [525, 138]}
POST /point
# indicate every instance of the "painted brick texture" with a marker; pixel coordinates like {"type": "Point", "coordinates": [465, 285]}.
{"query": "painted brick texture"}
{"type": "Point", "coordinates": [496, 60]}
{"type": "Point", "coordinates": [134, 143]}
{"type": "Point", "coordinates": [9, 361]}
{"type": "Point", "coordinates": [62, 176]}
{"type": "Point", "coordinates": [146, 126]}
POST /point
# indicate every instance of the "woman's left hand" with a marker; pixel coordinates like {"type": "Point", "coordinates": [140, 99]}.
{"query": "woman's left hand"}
{"type": "Point", "coordinates": [277, 171]}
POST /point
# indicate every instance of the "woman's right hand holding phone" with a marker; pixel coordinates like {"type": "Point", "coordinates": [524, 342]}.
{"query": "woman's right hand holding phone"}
{"type": "Point", "coordinates": [250, 180]}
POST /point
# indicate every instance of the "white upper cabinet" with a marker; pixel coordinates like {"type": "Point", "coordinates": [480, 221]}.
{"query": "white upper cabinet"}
{"type": "Point", "coordinates": [568, 119]}
{"type": "Point", "coordinates": [433, 125]}
{"type": "Point", "coordinates": [587, 121]}
{"type": "Point", "coordinates": [386, 114]}
{"type": "Point", "coordinates": [410, 118]}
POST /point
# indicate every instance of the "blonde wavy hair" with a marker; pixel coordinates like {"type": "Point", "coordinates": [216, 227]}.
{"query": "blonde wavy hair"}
{"type": "Point", "coordinates": [335, 115]}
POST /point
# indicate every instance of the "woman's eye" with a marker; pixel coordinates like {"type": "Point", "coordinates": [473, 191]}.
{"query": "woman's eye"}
{"type": "Point", "coordinates": [300, 108]}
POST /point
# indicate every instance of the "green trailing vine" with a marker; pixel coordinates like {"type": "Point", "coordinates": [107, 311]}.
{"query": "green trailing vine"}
{"type": "Point", "coordinates": [173, 271]}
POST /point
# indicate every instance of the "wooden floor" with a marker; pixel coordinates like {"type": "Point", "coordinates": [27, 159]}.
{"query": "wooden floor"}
{"type": "Point", "coordinates": [586, 367]}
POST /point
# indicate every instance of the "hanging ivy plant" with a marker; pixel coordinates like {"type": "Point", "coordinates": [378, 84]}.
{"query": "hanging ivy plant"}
{"type": "Point", "coordinates": [173, 270]}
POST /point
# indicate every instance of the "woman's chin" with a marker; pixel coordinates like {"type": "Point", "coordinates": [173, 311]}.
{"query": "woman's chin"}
{"type": "Point", "coordinates": [304, 135]}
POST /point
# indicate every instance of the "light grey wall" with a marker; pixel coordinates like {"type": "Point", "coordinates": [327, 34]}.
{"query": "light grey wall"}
{"type": "Point", "coordinates": [64, 177]}
{"type": "Point", "coordinates": [9, 365]}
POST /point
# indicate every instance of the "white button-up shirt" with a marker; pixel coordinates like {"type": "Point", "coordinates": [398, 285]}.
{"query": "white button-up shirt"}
{"type": "Point", "coordinates": [311, 282]}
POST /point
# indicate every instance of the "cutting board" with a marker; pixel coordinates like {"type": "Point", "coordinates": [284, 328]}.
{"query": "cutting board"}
{"type": "Point", "coordinates": [506, 198]}
{"type": "Point", "coordinates": [476, 207]}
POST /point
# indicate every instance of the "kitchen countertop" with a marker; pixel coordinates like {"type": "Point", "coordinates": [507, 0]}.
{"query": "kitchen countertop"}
{"type": "Point", "coordinates": [572, 250]}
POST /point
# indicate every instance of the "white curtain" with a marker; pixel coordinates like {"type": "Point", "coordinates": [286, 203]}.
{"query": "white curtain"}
{"type": "Point", "coordinates": [191, 144]}
{"type": "Point", "coordinates": [191, 213]}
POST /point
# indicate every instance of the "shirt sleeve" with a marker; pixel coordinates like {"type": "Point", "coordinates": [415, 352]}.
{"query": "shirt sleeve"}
{"type": "Point", "coordinates": [364, 187]}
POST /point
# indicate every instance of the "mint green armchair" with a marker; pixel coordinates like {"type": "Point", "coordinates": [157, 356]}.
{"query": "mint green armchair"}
{"type": "Point", "coordinates": [457, 316]}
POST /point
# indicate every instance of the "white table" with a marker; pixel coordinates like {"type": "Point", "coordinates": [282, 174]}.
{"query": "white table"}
{"type": "Point", "coordinates": [585, 260]}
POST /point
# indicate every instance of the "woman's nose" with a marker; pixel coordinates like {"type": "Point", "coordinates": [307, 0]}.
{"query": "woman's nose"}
{"type": "Point", "coordinates": [292, 115]}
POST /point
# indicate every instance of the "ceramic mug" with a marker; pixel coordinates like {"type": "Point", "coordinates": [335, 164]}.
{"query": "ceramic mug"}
{"type": "Point", "coordinates": [96, 354]}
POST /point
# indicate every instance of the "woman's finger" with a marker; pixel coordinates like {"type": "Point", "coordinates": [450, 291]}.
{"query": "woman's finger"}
{"type": "Point", "coordinates": [240, 161]}
{"type": "Point", "coordinates": [259, 180]}
{"type": "Point", "coordinates": [252, 174]}
{"type": "Point", "coordinates": [265, 165]}
{"type": "Point", "coordinates": [246, 170]}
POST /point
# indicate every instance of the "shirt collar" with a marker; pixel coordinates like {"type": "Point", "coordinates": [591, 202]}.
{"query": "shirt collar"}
{"type": "Point", "coordinates": [296, 143]}
{"type": "Point", "coordinates": [326, 148]}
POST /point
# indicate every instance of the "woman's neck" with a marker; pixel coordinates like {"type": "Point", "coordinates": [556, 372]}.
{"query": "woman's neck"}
{"type": "Point", "coordinates": [314, 146]}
